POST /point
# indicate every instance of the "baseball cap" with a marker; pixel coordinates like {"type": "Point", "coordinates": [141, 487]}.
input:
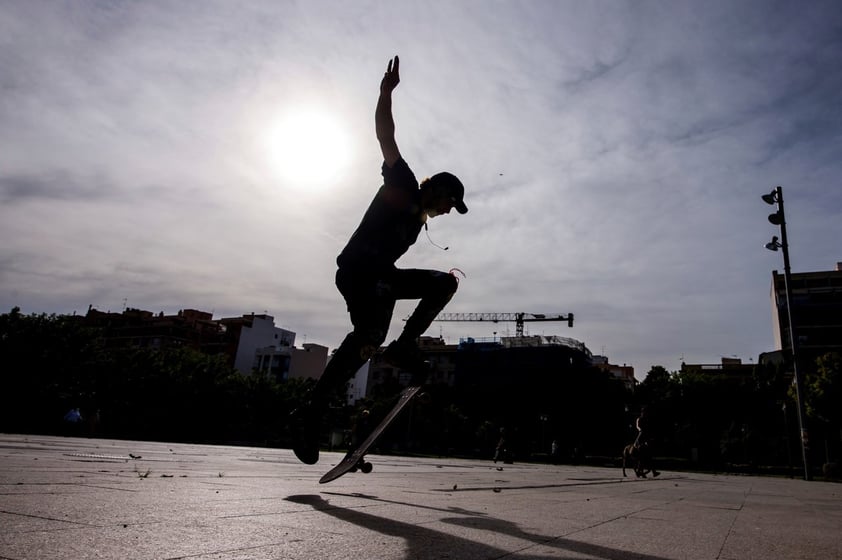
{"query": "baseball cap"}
{"type": "Point", "coordinates": [453, 188]}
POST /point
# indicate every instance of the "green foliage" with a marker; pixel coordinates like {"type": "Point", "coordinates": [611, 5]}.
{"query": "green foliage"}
{"type": "Point", "coordinates": [726, 418]}
{"type": "Point", "coordinates": [823, 388]}
{"type": "Point", "coordinates": [54, 363]}
{"type": "Point", "coordinates": [823, 404]}
{"type": "Point", "coordinates": [47, 363]}
{"type": "Point", "coordinates": [657, 376]}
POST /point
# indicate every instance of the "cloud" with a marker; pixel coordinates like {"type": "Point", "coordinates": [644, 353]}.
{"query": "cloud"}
{"type": "Point", "coordinates": [59, 186]}
{"type": "Point", "coordinates": [613, 155]}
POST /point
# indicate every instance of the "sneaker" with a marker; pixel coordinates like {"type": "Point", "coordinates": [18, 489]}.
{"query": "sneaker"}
{"type": "Point", "coordinates": [305, 423]}
{"type": "Point", "coordinates": [408, 357]}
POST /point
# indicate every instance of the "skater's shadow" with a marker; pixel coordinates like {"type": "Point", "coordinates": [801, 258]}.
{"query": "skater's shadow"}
{"type": "Point", "coordinates": [423, 542]}
{"type": "Point", "coordinates": [450, 510]}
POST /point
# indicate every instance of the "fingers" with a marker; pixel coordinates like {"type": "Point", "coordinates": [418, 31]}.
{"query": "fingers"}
{"type": "Point", "coordinates": [393, 66]}
{"type": "Point", "coordinates": [391, 78]}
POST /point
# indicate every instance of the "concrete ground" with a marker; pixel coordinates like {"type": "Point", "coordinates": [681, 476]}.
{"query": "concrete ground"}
{"type": "Point", "coordinates": [93, 498]}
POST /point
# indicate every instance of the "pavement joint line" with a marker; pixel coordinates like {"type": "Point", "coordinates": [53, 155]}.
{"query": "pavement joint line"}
{"type": "Point", "coordinates": [225, 551]}
{"type": "Point", "coordinates": [733, 522]}
{"type": "Point", "coordinates": [563, 542]}
{"type": "Point", "coordinates": [544, 486]}
{"type": "Point", "coordinates": [46, 518]}
{"type": "Point", "coordinates": [74, 484]}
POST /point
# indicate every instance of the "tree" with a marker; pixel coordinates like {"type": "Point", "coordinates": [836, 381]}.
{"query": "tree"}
{"type": "Point", "coordinates": [51, 363]}
{"type": "Point", "coordinates": [46, 365]}
{"type": "Point", "coordinates": [823, 399]}
{"type": "Point", "coordinates": [656, 386]}
{"type": "Point", "coordinates": [824, 390]}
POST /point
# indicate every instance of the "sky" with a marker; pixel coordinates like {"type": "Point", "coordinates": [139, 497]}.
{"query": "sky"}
{"type": "Point", "coordinates": [217, 155]}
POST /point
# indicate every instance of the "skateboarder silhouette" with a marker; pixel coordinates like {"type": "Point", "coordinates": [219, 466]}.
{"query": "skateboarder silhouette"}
{"type": "Point", "coordinates": [371, 283]}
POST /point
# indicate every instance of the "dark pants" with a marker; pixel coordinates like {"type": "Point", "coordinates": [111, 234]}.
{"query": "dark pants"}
{"type": "Point", "coordinates": [371, 299]}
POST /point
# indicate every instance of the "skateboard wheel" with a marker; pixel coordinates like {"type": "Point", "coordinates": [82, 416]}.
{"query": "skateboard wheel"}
{"type": "Point", "coordinates": [353, 469]}
{"type": "Point", "coordinates": [366, 467]}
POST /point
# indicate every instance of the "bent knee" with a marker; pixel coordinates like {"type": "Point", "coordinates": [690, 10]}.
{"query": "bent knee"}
{"type": "Point", "coordinates": [367, 351]}
{"type": "Point", "coordinates": [447, 283]}
{"type": "Point", "coordinates": [369, 341]}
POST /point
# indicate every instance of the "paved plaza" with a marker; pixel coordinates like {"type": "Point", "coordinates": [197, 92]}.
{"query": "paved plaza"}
{"type": "Point", "coordinates": [93, 498]}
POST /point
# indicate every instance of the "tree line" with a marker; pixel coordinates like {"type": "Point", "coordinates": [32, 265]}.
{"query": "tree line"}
{"type": "Point", "coordinates": [54, 363]}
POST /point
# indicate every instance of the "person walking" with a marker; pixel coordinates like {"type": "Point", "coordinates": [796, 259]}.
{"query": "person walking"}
{"type": "Point", "coordinates": [644, 442]}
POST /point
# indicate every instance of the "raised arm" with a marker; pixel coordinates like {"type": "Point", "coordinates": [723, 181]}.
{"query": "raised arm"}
{"type": "Point", "coordinates": [384, 123]}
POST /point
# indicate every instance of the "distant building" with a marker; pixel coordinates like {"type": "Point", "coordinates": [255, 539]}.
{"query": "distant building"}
{"type": "Point", "coordinates": [250, 342]}
{"type": "Point", "coordinates": [730, 367]}
{"type": "Point", "coordinates": [489, 362]}
{"type": "Point", "coordinates": [505, 364]}
{"type": "Point", "coordinates": [251, 339]}
{"type": "Point", "coordinates": [137, 328]}
{"type": "Point", "coordinates": [623, 373]}
{"type": "Point", "coordinates": [271, 361]}
{"type": "Point", "coordinates": [816, 312]}
{"type": "Point", "coordinates": [369, 380]}
{"type": "Point", "coordinates": [284, 362]}
{"type": "Point", "coordinates": [358, 385]}
{"type": "Point", "coordinates": [307, 362]}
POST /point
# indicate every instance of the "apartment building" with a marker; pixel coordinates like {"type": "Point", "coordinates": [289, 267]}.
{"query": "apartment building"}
{"type": "Point", "coordinates": [488, 362]}
{"type": "Point", "coordinates": [250, 342]}
{"type": "Point", "coordinates": [733, 368]}
{"type": "Point", "coordinates": [624, 373]}
{"type": "Point", "coordinates": [256, 343]}
{"type": "Point", "coordinates": [816, 312]}
{"type": "Point", "coordinates": [137, 328]}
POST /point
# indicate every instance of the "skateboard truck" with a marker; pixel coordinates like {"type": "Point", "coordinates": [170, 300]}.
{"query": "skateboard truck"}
{"type": "Point", "coordinates": [363, 466]}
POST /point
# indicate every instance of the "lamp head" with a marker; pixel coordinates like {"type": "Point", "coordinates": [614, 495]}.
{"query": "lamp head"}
{"type": "Point", "coordinates": [777, 218]}
{"type": "Point", "coordinates": [772, 197]}
{"type": "Point", "coordinates": [773, 245]}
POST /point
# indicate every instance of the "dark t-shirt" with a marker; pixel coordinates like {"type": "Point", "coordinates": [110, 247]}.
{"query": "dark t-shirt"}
{"type": "Point", "coordinates": [390, 225]}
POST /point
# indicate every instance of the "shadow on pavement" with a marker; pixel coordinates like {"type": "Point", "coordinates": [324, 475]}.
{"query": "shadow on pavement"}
{"type": "Point", "coordinates": [423, 542]}
{"type": "Point", "coordinates": [450, 510]}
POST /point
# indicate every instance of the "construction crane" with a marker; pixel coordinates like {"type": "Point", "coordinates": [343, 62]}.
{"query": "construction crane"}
{"type": "Point", "coordinates": [518, 318]}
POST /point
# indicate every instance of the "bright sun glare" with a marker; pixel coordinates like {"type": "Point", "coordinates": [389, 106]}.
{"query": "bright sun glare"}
{"type": "Point", "coordinates": [308, 148]}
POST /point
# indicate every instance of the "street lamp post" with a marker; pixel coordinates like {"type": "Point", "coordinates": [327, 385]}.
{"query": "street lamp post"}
{"type": "Point", "coordinates": [778, 219]}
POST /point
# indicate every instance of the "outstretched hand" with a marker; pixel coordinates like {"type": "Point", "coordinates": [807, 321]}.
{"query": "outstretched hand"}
{"type": "Point", "coordinates": [383, 121]}
{"type": "Point", "coordinates": [392, 77]}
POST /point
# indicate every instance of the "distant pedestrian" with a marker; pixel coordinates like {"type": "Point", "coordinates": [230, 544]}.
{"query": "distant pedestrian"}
{"type": "Point", "coordinates": [93, 423]}
{"type": "Point", "coordinates": [73, 422]}
{"type": "Point", "coordinates": [73, 416]}
{"type": "Point", "coordinates": [502, 453]}
{"type": "Point", "coordinates": [644, 442]}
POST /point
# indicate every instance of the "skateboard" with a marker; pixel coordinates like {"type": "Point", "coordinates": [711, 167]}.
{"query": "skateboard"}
{"type": "Point", "coordinates": [355, 459]}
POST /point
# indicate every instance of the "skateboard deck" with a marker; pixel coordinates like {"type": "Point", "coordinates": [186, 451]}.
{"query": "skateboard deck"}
{"type": "Point", "coordinates": [355, 459]}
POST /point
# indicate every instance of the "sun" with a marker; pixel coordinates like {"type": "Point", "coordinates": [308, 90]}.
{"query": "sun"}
{"type": "Point", "coordinates": [308, 147]}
